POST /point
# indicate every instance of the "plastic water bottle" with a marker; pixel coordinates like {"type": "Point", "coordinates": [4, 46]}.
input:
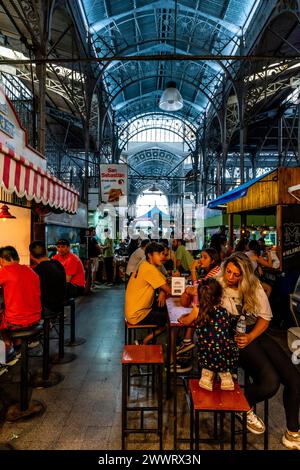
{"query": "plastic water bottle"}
{"type": "Point", "coordinates": [241, 325]}
{"type": "Point", "coordinates": [195, 301]}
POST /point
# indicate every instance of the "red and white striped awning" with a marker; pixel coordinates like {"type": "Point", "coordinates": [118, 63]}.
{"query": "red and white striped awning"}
{"type": "Point", "coordinates": [18, 175]}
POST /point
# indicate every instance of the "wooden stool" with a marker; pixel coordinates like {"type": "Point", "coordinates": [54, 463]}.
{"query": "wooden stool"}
{"type": "Point", "coordinates": [24, 409]}
{"type": "Point", "coordinates": [73, 341]}
{"type": "Point", "coordinates": [142, 355]}
{"type": "Point", "coordinates": [130, 331]}
{"type": "Point", "coordinates": [218, 402]}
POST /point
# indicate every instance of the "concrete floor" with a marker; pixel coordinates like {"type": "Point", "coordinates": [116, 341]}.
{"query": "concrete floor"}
{"type": "Point", "coordinates": [84, 410]}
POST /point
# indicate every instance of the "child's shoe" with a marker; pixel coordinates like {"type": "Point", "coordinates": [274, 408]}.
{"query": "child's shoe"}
{"type": "Point", "coordinates": [226, 381]}
{"type": "Point", "coordinates": [206, 380]}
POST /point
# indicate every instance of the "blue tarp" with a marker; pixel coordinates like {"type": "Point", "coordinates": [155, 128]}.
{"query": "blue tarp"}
{"type": "Point", "coordinates": [235, 193]}
{"type": "Point", "coordinates": [154, 210]}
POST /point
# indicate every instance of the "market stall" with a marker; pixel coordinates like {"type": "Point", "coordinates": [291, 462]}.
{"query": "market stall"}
{"type": "Point", "coordinates": [26, 188]}
{"type": "Point", "coordinates": [269, 195]}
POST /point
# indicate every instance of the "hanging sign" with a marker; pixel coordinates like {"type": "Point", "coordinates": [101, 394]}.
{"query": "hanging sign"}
{"type": "Point", "coordinates": [291, 237]}
{"type": "Point", "coordinates": [114, 184]}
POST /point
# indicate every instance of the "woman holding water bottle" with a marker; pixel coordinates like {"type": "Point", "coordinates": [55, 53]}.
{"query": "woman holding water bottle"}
{"type": "Point", "coordinates": [260, 356]}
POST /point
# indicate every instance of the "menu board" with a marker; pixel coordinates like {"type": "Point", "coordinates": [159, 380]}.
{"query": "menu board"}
{"type": "Point", "coordinates": [114, 184]}
{"type": "Point", "coordinates": [291, 237]}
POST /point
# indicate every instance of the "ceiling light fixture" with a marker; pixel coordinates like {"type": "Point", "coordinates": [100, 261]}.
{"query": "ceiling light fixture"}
{"type": "Point", "coordinates": [5, 214]}
{"type": "Point", "coordinates": [171, 99]}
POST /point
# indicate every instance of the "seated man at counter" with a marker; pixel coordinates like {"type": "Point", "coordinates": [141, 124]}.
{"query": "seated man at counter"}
{"type": "Point", "coordinates": [140, 306]}
{"type": "Point", "coordinates": [52, 277]}
{"type": "Point", "coordinates": [22, 295]}
{"type": "Point", "coordinates": [73, 268]}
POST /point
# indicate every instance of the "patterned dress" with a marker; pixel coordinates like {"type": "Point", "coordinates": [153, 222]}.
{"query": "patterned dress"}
{"type": "Point", "coordinates": [217, 350]}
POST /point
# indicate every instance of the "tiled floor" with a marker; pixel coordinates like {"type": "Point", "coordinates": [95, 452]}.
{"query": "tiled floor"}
{"type": "Point", "coordinates": [84, 410]}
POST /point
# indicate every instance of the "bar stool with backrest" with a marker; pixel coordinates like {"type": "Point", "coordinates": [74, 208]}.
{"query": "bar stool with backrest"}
{"type": "Point", "coordinates": [62, 357]}
{"type": "Point", "coordinates": [219, 402]}
{"type": "Point", "coordinates": [73, 341]}
{"type": "Point", "coordinates": [25, 408]}
{"type": "Point", "coordinates": [151, 355]}
{"type": "Point", "coordinates": [48, 378]}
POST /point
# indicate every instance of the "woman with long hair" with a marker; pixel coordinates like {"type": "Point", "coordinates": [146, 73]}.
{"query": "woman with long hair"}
{"type": "Point", "coordinates": [260, 356]}
{"type": "Point", "coordinates": [208, 265]}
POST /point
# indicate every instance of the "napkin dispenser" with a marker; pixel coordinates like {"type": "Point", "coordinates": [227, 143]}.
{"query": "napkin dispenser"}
{"type": "Point", "coordinates": [177, 285]}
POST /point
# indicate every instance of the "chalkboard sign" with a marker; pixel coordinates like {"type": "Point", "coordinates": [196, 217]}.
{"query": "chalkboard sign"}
{"type": "Point", "coordinates": [291, 237]}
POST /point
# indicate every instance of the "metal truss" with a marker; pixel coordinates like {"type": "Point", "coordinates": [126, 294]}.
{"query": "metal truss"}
{"type": "Point", "coordinates": [165, 121]}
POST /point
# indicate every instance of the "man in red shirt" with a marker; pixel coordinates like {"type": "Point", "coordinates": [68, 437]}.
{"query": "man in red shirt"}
{"type": "Point", "coordinates": [73, 267]}
{"type": "Point", "coordinates": [21, 290]}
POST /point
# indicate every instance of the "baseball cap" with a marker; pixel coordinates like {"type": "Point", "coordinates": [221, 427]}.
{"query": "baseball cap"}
{"type": "Point", "coordinates": [63, 241]}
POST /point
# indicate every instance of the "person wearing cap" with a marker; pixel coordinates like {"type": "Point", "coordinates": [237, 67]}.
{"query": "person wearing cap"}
{"type": "Point", "coordinates": [73, 267]}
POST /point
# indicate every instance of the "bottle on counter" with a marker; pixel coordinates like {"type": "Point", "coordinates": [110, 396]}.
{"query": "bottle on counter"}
{"type": "Point", "coordinates": [241, 325]}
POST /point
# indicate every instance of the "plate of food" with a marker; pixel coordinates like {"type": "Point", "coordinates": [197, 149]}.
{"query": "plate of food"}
{"type": "Point", "coordinates": [114, 194]}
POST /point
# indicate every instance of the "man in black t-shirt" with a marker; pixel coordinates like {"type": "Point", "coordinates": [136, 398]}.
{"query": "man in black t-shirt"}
{"type": "Point", "coordinates": [52, 277]}
{"type": "Point", "coordinates": [94, 251]}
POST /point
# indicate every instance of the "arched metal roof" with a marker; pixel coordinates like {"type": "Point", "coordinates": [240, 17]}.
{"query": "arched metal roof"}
{"type": "Point", "coordinates": [144, 168]}
{"type": "Point", "coordinates": [139, 27]}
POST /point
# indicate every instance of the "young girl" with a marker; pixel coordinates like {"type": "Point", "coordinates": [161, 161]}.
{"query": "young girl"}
{"type": "Point", "coordinates": [217, 350]}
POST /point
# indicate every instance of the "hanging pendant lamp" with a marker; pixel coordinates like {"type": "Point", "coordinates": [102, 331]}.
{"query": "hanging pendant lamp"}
{"type": "Point", "coordinates": [171, 99]}
{"type": "Point", "coordinates": [5, 214]}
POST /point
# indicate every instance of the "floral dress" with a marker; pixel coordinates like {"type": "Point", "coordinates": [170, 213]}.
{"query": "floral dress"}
{"type": "Point", "coordinates": [217, 350]}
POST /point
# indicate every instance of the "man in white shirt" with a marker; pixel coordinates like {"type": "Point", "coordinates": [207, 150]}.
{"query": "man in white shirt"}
{"type": "Point", "coordinates": [136, 257]}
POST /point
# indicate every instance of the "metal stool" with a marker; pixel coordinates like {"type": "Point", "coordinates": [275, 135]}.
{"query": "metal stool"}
{"type": "Point", "coordinates": [73, 341]}
{"type": "Point", "coordinates": [48, 378]}
{"type": "Point", "coordinates": [218, 402]}
{"type": "Point", "coordinates": [62, 357]}
{"type": "Point", "coordinates": [24, 409]}
{"type": "Point", "coordinates": [142, 355]}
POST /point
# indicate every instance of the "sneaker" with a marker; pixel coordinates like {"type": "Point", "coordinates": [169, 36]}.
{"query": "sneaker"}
{"type": "Point", "coordinates": [11, 356]}
{"type": "Point", "coordinates": [181, 368]}
{"type": "Point", "coordinates": [109, 284]}
{"type": "Point", "coordinates": [254, 423]}
{"type": "Point", "coordinates": [291, 440]}
{"type": "Point", "coordinates": [184, 347]}
{"type": "Point", "coordinates": [207, 378]}
{"type": "Point", "coordinates": [226, 381]}
{"type": "Point", "coordinates": [3, 369]}
{"type": "Point", "coordinates": [33, 344]}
